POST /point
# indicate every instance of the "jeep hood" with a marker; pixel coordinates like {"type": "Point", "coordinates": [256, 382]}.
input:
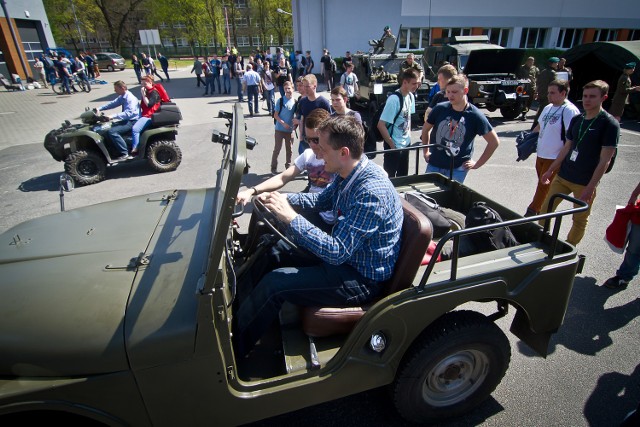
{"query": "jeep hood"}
{"type": "Point", "coordinates": [494, 61]}
{"type": "Point", "coordinates": [75, 289]}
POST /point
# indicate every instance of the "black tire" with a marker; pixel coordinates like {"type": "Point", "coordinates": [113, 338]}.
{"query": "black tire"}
{"type": "Point", "coordinates": [164, 156]}
{"type": "Point", "coordinates": [58, 88]}
{"type": "Point", "coordinates": [110, 68]}
{"type": "Point", "coordinates": [85, 86]}
{"type": "Point", "coordinates": [86, 167]}
{"type": "Point", "coordinates": [511, 112]}
{"type": "Point", "coordinates": [455, 218]}
{"type": "Point", "coordinates": [452, 368]}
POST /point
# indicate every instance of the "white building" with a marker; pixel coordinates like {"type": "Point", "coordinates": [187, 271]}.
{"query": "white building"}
{"type": "Point", "coordinates": [347, 25]}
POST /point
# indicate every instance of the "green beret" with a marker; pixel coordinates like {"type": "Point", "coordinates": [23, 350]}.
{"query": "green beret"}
{"type": "Point", "coordinates": [554, 59]}
{"type": "Point", "coordinates": [630, 65]}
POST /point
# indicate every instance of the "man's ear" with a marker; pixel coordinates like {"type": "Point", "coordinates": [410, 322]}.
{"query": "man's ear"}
{"type": "Point", "coordinates": [604, 97]}
{"type": "Point", "coordinates": [466, 90]}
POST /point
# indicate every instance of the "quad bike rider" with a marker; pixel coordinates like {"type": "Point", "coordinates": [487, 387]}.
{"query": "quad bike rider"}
{"type": "Point", "coordinates": [86, 152]}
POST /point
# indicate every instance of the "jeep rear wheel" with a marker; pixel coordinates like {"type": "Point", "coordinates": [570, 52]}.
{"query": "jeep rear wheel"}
{"type": "Point", "coordinates": [86, 167]}
{"type": "Point", "coordinates": [510, 112]}
{"type": "Point", "coordinates": [452, 368]}
{"type": "Point", "coordinates": [164, 156]}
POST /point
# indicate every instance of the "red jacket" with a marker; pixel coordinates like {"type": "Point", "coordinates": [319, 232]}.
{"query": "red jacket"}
{"type": "Point", "coordinates": [618, 231]}
{"type": "Point", "coordinates": [156, 95]}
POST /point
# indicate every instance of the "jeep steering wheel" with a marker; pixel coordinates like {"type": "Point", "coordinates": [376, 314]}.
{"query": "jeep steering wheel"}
{"type": "Point", "coordinates": [269, 218]}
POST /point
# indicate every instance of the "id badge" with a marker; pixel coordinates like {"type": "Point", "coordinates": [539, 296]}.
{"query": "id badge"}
{"type": "Point", "coordinates": [574, 155]}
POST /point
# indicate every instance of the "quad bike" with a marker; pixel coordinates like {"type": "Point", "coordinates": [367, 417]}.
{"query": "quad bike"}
{"type": "Point", "coordinates": [86, 150]}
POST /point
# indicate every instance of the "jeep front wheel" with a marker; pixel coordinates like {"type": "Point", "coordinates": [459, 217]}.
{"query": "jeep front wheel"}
{"type": "Point", "coordinates": [510, 112]}
{"type": "Point", "coordinates": [164, 156]}
{"type": "Point", "coordinates": [86, 167]}
{"type": "Point", "coordinates": [452, 368]}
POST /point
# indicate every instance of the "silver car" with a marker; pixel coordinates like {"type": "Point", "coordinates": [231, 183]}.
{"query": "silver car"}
{"type": "Point", "coordinates": [110, 61]}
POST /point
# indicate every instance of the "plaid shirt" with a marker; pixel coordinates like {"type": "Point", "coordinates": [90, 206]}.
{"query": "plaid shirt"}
{"type": "Point", "coordinates": [369, 215]}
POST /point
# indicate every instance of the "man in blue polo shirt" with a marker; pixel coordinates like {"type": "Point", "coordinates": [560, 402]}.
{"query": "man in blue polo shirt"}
{"type": "Point", "coordinates": [251, 80]}
{"type": "Point", "coordinates": [124, 120]}
{"type": "Point", "coordinates": [351, 263]}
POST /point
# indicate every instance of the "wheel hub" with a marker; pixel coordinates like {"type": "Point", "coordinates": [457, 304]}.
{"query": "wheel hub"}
{"type": "Point", "coordinates": [455, 377]}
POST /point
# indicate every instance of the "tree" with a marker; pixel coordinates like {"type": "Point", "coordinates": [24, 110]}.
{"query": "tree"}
{"type": "Point", "coordinates": [192, 15]}
{"type": "Point", "coordinates": [215, 12]}
{"type": "Point", "coordinates": [116, 15]}
{"type": "Point", "coordinates": [63, 20]}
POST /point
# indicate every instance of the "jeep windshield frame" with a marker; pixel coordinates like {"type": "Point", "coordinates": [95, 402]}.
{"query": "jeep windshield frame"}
{"type": "Point", "coordinates": [228, 181]}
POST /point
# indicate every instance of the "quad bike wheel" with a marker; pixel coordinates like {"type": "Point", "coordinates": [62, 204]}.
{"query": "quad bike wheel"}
{"type": "Point", "coordinates": [164, 156]}
{"type": "Point", "coordinates": [86, 167]}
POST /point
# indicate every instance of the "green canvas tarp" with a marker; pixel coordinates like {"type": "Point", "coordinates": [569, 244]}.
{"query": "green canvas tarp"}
{"type": "Point", "coordinates": [600, 61]}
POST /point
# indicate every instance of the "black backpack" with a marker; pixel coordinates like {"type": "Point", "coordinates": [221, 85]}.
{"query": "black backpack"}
{"type": "Point", "coordinates": [485, 241]}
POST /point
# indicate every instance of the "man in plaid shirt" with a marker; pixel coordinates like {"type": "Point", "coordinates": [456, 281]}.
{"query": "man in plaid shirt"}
{"type": "Point", "coordinates": [352, 262]}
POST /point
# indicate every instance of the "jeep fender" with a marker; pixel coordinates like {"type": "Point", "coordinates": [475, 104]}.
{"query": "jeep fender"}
{"type": "Point", "coordinates": [540, 297]}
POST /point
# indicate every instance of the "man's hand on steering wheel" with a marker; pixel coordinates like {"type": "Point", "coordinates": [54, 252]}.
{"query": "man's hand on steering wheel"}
{"type": "Point", "coordinates": [278, 204]}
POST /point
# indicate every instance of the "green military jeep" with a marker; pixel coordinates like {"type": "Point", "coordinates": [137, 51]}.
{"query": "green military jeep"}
{"type": "Point", "coordinates": [121, 313]}
{"type": "Point", "coordinates": [490, 68]}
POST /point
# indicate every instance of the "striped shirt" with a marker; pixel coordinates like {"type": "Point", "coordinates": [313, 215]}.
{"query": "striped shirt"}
{"type": "Point", "coordinates": [369, 215]}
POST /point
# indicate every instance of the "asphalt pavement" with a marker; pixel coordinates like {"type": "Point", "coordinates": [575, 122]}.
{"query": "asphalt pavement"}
{"type": "Point", "coordinates": [592, 374]}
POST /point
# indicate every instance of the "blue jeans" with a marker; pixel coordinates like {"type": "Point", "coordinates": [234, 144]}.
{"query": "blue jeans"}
{"type": "Point", "coordinates": [137, 129]}
{"type": "Point", "coordinates": [226, 83]}
{"type": "Point", "coordinates": [271, 99]}
{"type": "Point", "coordinates": [299, 280]}
{"type": "Point", "coordinates": [216, 78]}
{"type": "Point", "coordinates": [115, 134]}
{"type": "Point", "coordinates": [459, 173]}
{"type": "Point", "coordinates": [65, 83]}
{"type": "Point", "coordinates": [253, 99]}
{"type": "Point", "coordinates": [631, 263]}
{"type": "Point", "coordinates": [208, 83]}
{"type": "Point", "coordinates": [240, 98]}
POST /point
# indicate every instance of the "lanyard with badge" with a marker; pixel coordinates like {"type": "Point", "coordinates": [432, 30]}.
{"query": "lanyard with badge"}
{"type": "Point", "coordinates": [581, 135]}
{"type": "Point", "coordinates": [337, 214]}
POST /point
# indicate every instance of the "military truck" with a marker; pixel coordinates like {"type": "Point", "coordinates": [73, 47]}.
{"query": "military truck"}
{"type": "Point", "coordinates": [377, 73]}
{"type": "Point", "coordinates": [122, 313]}
{"type": "Point", "coordinates": [491, 69]}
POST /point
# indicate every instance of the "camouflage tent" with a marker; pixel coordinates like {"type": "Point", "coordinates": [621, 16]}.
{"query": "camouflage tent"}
{"type": "Point", "coordinates": [600, 60]}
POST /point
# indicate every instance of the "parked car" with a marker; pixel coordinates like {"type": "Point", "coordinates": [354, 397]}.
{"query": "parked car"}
{"type": "Point", "coordinates": [110, 61]}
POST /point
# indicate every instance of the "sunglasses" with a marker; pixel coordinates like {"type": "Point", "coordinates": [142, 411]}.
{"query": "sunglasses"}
{"type": "Point", "coordinates": [313, 140]}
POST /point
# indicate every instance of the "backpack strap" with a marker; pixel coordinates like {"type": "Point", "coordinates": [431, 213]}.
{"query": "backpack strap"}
{"type": "Point", "coordinates": [401, 101]}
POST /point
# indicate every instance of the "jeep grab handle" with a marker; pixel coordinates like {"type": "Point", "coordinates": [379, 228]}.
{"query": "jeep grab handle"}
{"type": "Point", "coordinates": [455, 235]}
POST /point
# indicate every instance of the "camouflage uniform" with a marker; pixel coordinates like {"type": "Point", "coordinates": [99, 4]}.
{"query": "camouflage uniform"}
{"type": "Point", "coordinates": [532, 74]}
{"type": "Point", "coordinates": [405, 66]}
{"type": "Point", "coordinates": [546, 76]}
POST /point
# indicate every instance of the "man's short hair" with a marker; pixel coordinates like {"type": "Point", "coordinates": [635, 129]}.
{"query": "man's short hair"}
{"type": "Point", "coordinates": [344, 131]}
{"type": "Point", "coordinates": [598, 84]}
{"type": "Point", "coordinates": [287, 83]}
{"type": "Point", "coordinates": [249, 67]}
{"type": "Point", "coordinates": [447, 71]}
{"type": "Point", "coordinates": [311, 79]}
{"type": "Point", "coordinates": [121, 84]}
{"type": "Point", "coordinates": [339, 90]}
{"type": "Point", "coordinates": [459, 79]}
{"type": "Point", "coordinates": [148, 77]}
{"type": "Point", "coordinates": [317, 116]}
{"type": "Point", "coordinates": [299, 79]}
{"type": "Point", "coordinates": [409, 74]}
{"type": "Point", "coordinates": [411, 55]}
{"type": "Point", "coordinates": [561, 85]}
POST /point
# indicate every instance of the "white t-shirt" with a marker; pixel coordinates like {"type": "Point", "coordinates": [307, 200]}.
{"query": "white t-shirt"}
{"type": "Point", "coordinates": [319, 179]}
{"type": "Point", "coordinates": [550, 139]}
{"type": "Point", "coordinates": [348, 82]}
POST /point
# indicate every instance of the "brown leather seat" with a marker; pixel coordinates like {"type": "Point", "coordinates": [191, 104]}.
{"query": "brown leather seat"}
{"type": "Point", "coordinates": [416, 236]}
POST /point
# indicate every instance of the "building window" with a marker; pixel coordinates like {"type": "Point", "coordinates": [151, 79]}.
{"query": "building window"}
{"type": "Point", "coordinates": [163, 25]}
{"type": "Point", "coordinates": [413, 38]}
{"type": "Point", "coordinates": [182, 42]}
{"type": "Point", "coordinates": [255, 40]}
{"type": "Point", "coordinates": [452, 32]}
{"type": "Point", "coordinates": [242, 21]}
{"type": "Point", "coordinates": [604, 35]}
{"type": "Point", "coordinates": [240, 4]}
{"type": "Point", "coordinates": [533, 38]}
{"type": "Point", "coordinates": [243, 41]}
{"type": "Point", "coordinates": [569, 37]}
{"type": "Point", "coordinates": [499, 36]}
{"type": "Point", "coordinates": [288, 40]}
{"type": "Point", "coordinates": [179, 25]}
{"type": "Point", "coordinates": [167, 42]}
{"type": "Point", "coordinates": [634, 35]}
